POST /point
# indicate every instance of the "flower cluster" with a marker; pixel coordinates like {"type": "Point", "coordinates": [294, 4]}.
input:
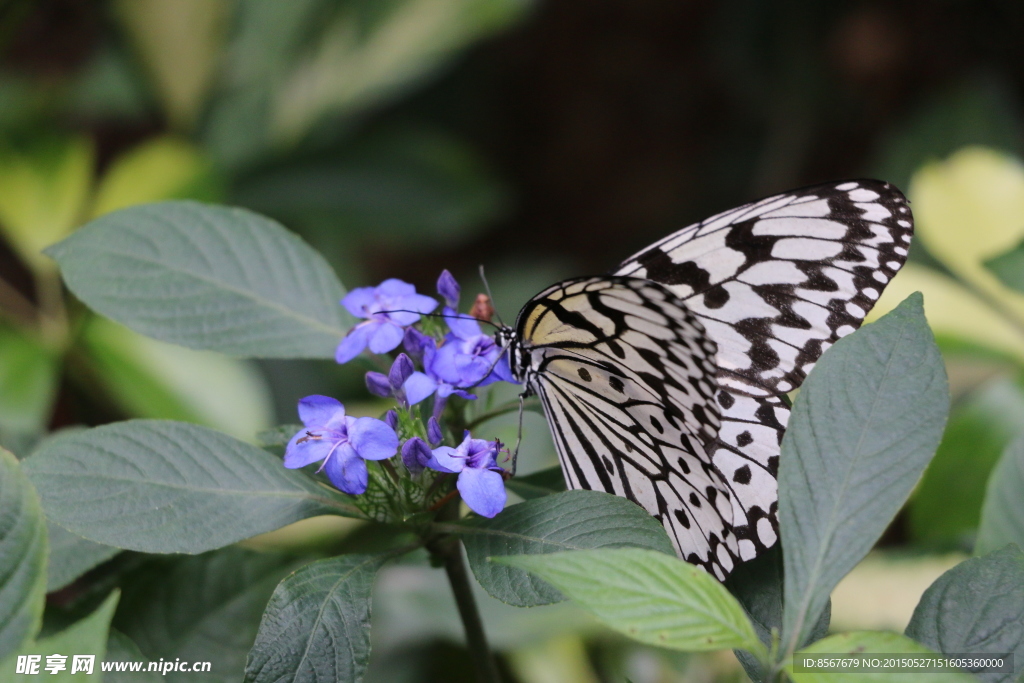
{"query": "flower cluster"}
{"type": "Point", "coordinates": [455, 357]}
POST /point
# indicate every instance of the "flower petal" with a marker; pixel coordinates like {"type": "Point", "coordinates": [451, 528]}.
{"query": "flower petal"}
{"type": "Point", "coordinates": [322, 412]}
{"type": "Point", "coordinates": [358, 300]}
{"type": "Point", "coordinates": [442, 460]}
{"type": "Point", "coordinates": [418, 387]}
{"type": "Point", "coordinates": [419, 302]}
{"type": "Point", "coordinates": [393, 287]}
{"type": "Point", "coordinates": [311, 450]}
{"type": "Point", "coordinates": [387, 336]}
{"type": "Point", "coordinates": [354, 342]}
{"type": "Point", "coordinates": [483, 491]}
{"type": "Point", "coordinates": [372, 439]}
{"type": "Point", "coordinates": [347, 471]}
{"type": "Point", "coordinates": [462, 326]}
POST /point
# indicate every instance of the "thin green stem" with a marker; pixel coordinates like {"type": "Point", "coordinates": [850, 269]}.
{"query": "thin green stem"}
{"type": "Point", "coordinates": [449, 551]}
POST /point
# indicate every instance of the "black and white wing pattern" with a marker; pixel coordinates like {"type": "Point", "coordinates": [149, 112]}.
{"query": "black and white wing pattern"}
{"type": "Point", "coordinates": [775, 283]}
{"type": "Point", "coordinates": [626, 375]}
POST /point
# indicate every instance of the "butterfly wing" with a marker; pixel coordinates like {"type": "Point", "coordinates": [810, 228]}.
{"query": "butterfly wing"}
{"type": "Point", "coordinates": [626, 377]}
{"type": "Point", "coordinates": [775, 283]}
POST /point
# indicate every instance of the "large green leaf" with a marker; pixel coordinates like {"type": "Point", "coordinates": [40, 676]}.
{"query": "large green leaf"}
{"type": "Point", "coordinates": [649, 596]}
{"type": "Point", "coordinates": [946, 506]}
{"type": "Point", "coordinates": [207, 277]}
{"type": "Point", "coordinates": [170, 487]}
{"type": "Point", "coordinates": [573, 520]}
{"type": "Point", "coordinates": [317, 625]}
{"type": "Point", "coordinates": [975, 607]}
{"type": "Point", "coordinates": [22, 557]}
{"type": "Point", "coordinates": [203, 608]}
{"type": "Point", "coordinates": [85, 637]}
{"type": "Point", "coordinates": [863, 428]}
{"type": "Point", "coordinates": [1002, 516]}
{"type": "Point", "coordinates": [867, 643]}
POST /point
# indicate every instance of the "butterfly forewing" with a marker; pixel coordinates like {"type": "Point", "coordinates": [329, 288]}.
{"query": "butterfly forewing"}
{"type": "Point", "coordinates": [626, 377]}
{"type": "Point", "coordinates": [778, 281]}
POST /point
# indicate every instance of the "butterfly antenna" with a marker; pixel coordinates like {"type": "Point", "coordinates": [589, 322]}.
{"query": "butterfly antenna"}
{"type": "Point", "coordinates": [487, 287]}
{"type": "Point", "coordinates": [460, 316]}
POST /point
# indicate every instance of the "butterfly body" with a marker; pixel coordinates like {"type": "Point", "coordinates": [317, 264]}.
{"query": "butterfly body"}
{"type": "Point", "coordinates": [664, 382]}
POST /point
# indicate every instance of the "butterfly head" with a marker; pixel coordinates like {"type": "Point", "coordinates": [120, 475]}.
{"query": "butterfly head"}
{"type": "Point", "coordinates": [518, 361]}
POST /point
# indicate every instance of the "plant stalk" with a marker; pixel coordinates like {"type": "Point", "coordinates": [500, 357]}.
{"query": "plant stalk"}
{"type": "Point", "coordinates": [449, 550]}
{"type": "Point", "coordinates": [476, 639]}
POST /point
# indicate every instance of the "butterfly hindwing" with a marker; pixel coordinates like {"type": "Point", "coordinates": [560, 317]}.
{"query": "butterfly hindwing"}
{"type": "Point", "coordinates": [626, 377]}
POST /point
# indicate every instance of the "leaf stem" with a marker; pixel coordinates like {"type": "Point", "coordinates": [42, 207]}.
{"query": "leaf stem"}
{"type": "Point", "coordinates": [449, 551]}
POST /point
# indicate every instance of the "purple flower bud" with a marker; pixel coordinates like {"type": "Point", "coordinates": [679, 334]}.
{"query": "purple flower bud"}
{"type": "Point", "coordinates": [401, 369]}
{"type": "Point", "coordinates": [416, 454]}
{"type": "Point", "coordinates": [434, 433]}
{"type": "Point", "coordinates": [416, 343]}
{"type": "Point", "coordinates": [448, 288]}
{"type": "Point", "coordinates": [378, 384]}
{"type": "Point", "coordinates": [391, 419]}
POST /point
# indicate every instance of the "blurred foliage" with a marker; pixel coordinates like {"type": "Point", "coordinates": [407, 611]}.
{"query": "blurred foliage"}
{"type": "Point", "coordinates": [541, 139]}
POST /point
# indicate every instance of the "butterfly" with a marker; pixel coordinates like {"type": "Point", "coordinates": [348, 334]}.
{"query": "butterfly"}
{"type": "Point", "coordinates": [664, 382]}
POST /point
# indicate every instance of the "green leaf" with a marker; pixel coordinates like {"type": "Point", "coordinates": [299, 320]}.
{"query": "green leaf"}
{"type": "Point", "coordinates": [757, 584]}
{"type": "Point", "coordinates": [649, 596]}
{"type": "Point", "coordinates": [202, 608]}
{"type": "Point", "coordinates": [538, 484]}
{"type": "Point", "coordinates": [1002, 516]}
{"type": "Point", "coordinates": [367, 55]}
{"type": "Point", "coordinates": [71, 556]}
{"type": "Point", "coordinates": [865, 425]}
{"type": "Point", "coordinates": [978, 607]}
{"type": "Point", "coordinates": [1009, 267]}
{"type": "Point", "coordinates": [160, 168]}
{"type": "Point", "coordinates": [22, 558]}
{"type": "Point", "coordinates": [207, 277]}
{"type": "Point", "coordinates": [120, 648]}
{"type": "Point", "coordinates": [871, 642]}
{"type": "Point", "coordinates": [153, 379]}
{"type": "Point", "coordinates": [46, 183]}
{"type": "Point", "coordinates": [28, 383]}
{"type": "Point", "coordinates": [401, 187]}
{"type": "Point", "coordinates": [317, 625]}
{"type": "Point", "coordinates": [169, 487]}
{"type": "Point", "coordinates": [85, 637]}
{"type": "Point", "coordinates": [180, 44]}
{"type": "Point", "coordinates": [946, 506]}
{"type": "Point", "coordinates": [573, 520]}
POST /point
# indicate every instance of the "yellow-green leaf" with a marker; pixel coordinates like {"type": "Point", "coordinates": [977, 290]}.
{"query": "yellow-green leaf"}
{"type": "Point", "coordinates": [45, 187]}
{"type": "Point", "coordinates": [162, 168]}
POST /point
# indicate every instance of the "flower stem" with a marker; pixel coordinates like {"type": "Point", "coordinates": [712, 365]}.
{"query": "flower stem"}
{"type": "Point", "coordinates": [476, 639]}
{"type": "Point", "coordinates": [449, 550]}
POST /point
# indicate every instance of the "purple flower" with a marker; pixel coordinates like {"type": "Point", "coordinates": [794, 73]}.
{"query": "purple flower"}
{"type": "Point", "coordinates": [468, 357]}
{"type": "Point", "coordinates": [480, 482]}
{"type": "Point", "coordinates": [402, 382]}
{"type": "Point", "coordinates": [343, 443]}
{"type": "Point", "coordinates": [388, 307]}
{"type": "Point", "coordinates": [449, 289]}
